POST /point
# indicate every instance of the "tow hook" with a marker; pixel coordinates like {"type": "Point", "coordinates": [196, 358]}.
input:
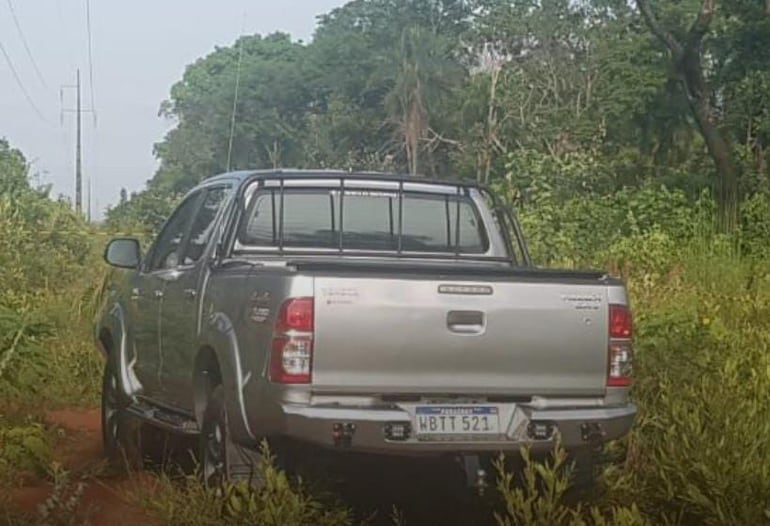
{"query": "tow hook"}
{"type": "Point", "coordinates": [342, 434]}
{"type": "Point", "coordinates": [475, 475]}
{"type": "Point", "coordinates": [593, 433]}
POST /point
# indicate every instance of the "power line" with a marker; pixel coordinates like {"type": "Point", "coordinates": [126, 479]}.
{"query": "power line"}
{"type": "Point", "coordinates": [90, 57]}
{"type": "Point", "coordinates": [21, 84]}
{"type": "Point", "coordinates": [26, 44]}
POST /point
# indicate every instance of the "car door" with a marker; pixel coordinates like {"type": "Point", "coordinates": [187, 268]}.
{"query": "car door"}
{"type": "Point", "coordinates": [180, 314]}
{"type": "Point", "coordinates": [147, 294]}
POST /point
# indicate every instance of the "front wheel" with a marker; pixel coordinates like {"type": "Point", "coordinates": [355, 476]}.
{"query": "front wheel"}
{"type": "Point", "coordinates": [119, 431]}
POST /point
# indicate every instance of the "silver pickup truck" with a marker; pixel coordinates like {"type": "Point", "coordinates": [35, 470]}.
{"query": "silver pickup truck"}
{"type": "Point", "coordinates": [359, 312]}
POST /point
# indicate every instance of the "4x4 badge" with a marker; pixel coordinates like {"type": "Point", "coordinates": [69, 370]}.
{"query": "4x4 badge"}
{"type": "Point", "coordinates": [259, 308]}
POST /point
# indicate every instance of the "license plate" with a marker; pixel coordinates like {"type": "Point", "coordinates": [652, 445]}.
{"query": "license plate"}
{"type": "Point", "coordinates": [456, 421]}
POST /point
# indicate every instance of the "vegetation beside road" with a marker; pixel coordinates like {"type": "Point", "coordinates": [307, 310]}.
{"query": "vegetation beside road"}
{"type": "Point", "coordinates": [575, 117]}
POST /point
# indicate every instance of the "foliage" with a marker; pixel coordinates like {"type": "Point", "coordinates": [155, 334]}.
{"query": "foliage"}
{"type": "Point", "coordinates": [542, 497]}
{"type": "Point", "coordinates": [755, 227]}
{"type": "Point", "coordinates": [144, 214]}
{"type": "Point", "coordinates": [23, 448]}
{"type": "Point", "coordinates": [22, 360]}
{"type": "Point", "coordinates": [64, 506]}
{"type": "Point", "coordinates": [48, 291]}
{"type": "Point", "coordinates": [275, 502]}
{"type": "Point", "coordinates": [704, 394]}
{"type": "Point", "coordinates": [470, 88]}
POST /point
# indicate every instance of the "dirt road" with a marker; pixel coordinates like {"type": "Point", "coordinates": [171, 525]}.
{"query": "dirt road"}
{"type": "Point", "coordinates": [107, 497]}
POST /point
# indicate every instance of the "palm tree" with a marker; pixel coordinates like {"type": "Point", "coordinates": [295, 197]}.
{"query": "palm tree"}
{"type": "Point", "coordinates": [425, 73]}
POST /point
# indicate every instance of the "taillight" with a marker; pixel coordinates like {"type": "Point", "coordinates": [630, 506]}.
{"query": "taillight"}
{"type": "Point", "coordinates": [291, 358]}
{"type": "Point", "coordinates": [621, 325]}
{"type": "Point", "coordinates": [621, 351]}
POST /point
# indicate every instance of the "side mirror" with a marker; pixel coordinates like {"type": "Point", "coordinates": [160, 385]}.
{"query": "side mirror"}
{"type": "Point", "coordinates": [123, 253]}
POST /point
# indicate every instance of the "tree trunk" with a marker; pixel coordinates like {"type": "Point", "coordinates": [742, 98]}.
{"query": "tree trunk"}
{"type": "Point", "coordinates": [686, 60]}
{"type": "Point", "coordinates": [721, 153]}
{"type": "Point", "coordinates": [489, 140]}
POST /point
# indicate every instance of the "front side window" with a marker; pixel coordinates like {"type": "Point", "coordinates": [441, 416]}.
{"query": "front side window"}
{"type": "Point", "coordinates": [165, 254]}
{"type": "Point", "coordinates": [366, 220]}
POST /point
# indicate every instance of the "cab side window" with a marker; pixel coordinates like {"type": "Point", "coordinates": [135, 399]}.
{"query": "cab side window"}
{"type": "Point", "coordinates": [165, 253]}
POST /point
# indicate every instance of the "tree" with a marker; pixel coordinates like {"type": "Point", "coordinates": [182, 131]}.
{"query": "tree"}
{"type": "Point", "coordinates": [687, 63]}
{"type": "Point", "coordinates": [266, 121]}
{"type": "Point", "coordinates": [13, 171]}
{"type": "Point", "coordinates": [394, 63]}
{"type": "Point", "coordinates": [424, 77]}
{"type": "Point", "coordinates": [579, 92]}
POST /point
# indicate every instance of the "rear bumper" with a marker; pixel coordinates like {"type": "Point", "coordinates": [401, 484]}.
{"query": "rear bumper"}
{"type": "Point", "coordinates": [364, 429]}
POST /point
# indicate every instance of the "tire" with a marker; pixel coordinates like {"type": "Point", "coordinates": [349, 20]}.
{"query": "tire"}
{"type": "Point", "coordinates": [120, 432]}
{"type": "Point", "coordinates": [221, 460]}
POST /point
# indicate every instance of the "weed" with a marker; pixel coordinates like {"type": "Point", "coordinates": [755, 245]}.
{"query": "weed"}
{"type": "Point", "coordinates": [275, 501]}
{"type": "Point", "coordinates": [64, 506]}
{"type": "Point", "coordinates": [23, 448]}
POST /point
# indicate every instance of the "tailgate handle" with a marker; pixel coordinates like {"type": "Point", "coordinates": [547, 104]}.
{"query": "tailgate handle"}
{"type": "Point", "coordinates": [465, 321]}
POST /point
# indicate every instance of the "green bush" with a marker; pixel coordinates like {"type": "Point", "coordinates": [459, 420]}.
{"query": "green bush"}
{"type": "Point", "coordinates": [755, 226]}
{"type": "Point", "coordinates": [23, 448]}
{"type": "Point", "coordinates": [276, 502]}
{"type": "Point", "coordinates": [22, 358]}
{"type": "Point", "coordinates": [581, 230]}
{"type": "Point", "coordinates": [699, 449]}
{"type": "Point", "coordinates": [542, 497]}
{"type": "Point", "coordinates": [50, 283]}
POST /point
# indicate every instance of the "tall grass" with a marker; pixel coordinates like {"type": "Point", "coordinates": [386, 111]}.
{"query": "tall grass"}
{"type": "Point", "coordinates": [700, 451]}
{"type": "Point", "coordinates": [51, 281]}
{"type": "Point", "coordinates": [276, 502]}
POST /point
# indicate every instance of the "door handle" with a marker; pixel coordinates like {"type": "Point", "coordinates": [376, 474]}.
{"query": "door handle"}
{"type": "Point", "coordinates": [466, 322]}
{"type": "Point", "coordinates": [190, 294]}
{"type": "Point", "coordinates": [158, 294]}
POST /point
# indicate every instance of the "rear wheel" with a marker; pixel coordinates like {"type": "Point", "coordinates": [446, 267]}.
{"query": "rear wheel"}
{"type": "Point", "coordinates": [221, 459]}
{"type": "Point", "coordinates": [120, 432]}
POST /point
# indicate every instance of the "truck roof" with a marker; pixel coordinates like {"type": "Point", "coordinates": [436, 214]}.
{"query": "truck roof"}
{"type": "Point", "coordinates": [288, 173]}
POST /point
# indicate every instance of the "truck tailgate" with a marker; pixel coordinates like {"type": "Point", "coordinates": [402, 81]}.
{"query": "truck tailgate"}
{"type": "Point", "coordinates": [506, 336]}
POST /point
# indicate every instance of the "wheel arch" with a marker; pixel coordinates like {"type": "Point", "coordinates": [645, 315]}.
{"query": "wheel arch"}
{"type": "Point", "coordinates": [219, 344]}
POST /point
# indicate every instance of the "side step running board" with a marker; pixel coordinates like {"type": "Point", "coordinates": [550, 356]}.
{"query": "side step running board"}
{"type": "Point", "coordinates": [164, 419]}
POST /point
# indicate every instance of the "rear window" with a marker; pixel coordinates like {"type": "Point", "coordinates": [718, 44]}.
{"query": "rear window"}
{"type": "Point", "coordinates": [368, 220]}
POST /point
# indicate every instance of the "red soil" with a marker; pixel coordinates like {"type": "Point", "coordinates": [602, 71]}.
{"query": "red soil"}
{"type": "Point", "coordinates": [107, 498]}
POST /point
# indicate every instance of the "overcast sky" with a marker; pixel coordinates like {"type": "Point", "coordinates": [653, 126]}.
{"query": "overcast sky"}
{"type": "Point", "coordinates": [140, 48]}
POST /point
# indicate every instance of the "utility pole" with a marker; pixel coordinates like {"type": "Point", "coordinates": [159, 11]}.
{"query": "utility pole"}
{"type": "Point", "coordinates": [79, 144]}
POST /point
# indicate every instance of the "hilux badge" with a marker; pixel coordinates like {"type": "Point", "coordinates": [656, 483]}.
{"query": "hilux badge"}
{"type": "Point", "coordinates": [466, 290]}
